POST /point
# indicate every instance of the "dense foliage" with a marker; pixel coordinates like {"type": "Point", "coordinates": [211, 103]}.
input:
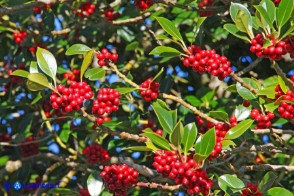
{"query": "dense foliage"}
{"type": "Point", "coordinates": [147, 97]}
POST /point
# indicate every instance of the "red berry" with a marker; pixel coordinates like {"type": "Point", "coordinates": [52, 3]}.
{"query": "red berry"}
{"type": "Point", "coordinates": [96, 154]}
{"type": "Point", "coordinates": [149, 90]}
{"type": "Point", "coordinates": [118, 178]}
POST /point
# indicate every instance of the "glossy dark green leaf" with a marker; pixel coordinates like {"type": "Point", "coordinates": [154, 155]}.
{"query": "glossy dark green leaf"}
{"type": "Point", "coordinates": [157, 140]}
{"type": "Point", "coordinates": [231, 28]}
{"type": "Point", "coordinates": [94, 74]}
{"type": "Point", "coordinates": [132, 46]}
{"type": "Point", "coordinates": [219, 115]}
{"type": "Point", "coordinates": [176, 136]}
{"type": "Point", "coordinates": [269, 7]}
{"type": "Point", "coordinates": [282, 84]}
{"type": "Point", "coordinates": [65, 133]}
{"type": "Point", "coordinates": [77, 49]}
{"type": "Point", "coordinates": [165, 51]}
{"type": "Point", "coordinates": [21, 73]}
{"type": "Point", "coordinates": [86, 62]}
{"type": "Point", "coordinates": [47, 63]}
{"type": "Point", "coordinates": [200, 21]}
{"type": "Point", "coordinates": [162, 36]}
{"type": "Point", "coordinates": [232, 88]}
{"type": "Point", "coordinates": [37, 81]}
{"type": "Point", "coordinates": [244, 92]}
{"type": "Point", "coordinates": [241, 112]}
{"type": "Point", "coordinates": [164, 116]}
{"type": "Point", "coordinates": [227, 143]}
{"type": "Point", "coordinates": [271, 106]}
{"type": "Point", "coordinates": [189, 137]}
{"type": "Point", "coordinates": [94, 184]}
{"type": "Point", "coordinates": [284, 12]}
{"type": "Point", "coordinates": [265, 15]}
{"type": "Point", "coordinates": [267, 181]}
{"type": "Point", "coordinates": [242, 18]}
{"type": "Point", "coordinates": [242, 22]}
{"type": "Point", "coordinates": [37, 99]}
{"type": "Point", "coordinates": [3, 160]}
{"type": "Point", "coordinates": [269, 92]}
{"type": "Point", "coordinates": [278, 191]}
{"type": "Point", "coordinates": [206, 143]}
{"type": "Point", "coordinates": [34, 67]}
{"type": "Point", "coordinates": [227, 182]}
{"type": "Point", "coordinates": [239, 129]}
{"type": "Point", "coordinates": [193, 100]}
{"type": "Point", "coordinates": [170, 28]}
{"type": "Point", "coordinates": [125, 90]}
{"type": "Point", "coordinates": [138, 148]}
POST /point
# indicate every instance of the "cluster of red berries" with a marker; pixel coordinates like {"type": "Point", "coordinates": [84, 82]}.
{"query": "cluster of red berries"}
{"type": "Point", "coordinates": [220, 132]}
{"type": "Point", "coordinates": [149, 90]}
{"type": "Point", "coordinates": [29, 147]}
{"type": "Point", "coordinates": [118, 178]}
{"type": "Point", "coordinates": [38, 10]}
{"type": "Point", "coordinates": [276, 1]}
{"type": "Point", "coordinates": [274, 51]}
{"type": "Point", "coordinates": [194, 180]}
{"type": "Point", "coordinates": [285, 109]}
{"type": "Point", "coordinates": [163, 161]}
{"type": "Point", "coordinates": [143, 4]}
{"type": "Point", "coordinates": [107, 102]}
{"type": "Point", "coordinates": [104, 56]}
{"type": "Point", "coordinates": [72, 76]}
{"type": "Point", "coordinates": [19, 37]}
{"type": "Point", "coordinates": [84, 192]}
{"type": "Point", "coordinates": [290, 46]}
{"type": "Point", "coordinates": [207, 60]}
{"type": "Point", "coordinates": [263, 121]}
{"type": "Point", "coordinates": [250, 190]}
{"type": "Point", "coordinates": [204, 4]}
{"type": "Point", "coordinates": [233, 121]}
{"type": "Point", "coordinates": [110, 14]}
{"type": "Point", "coordinates": [203, 125]}
{"type": "Point", "coordinates": [51, 113]}
{"type": "Point", "coordinates": [71, 98]}
{"type": "Point", "coordinates": [85, 9]}
{"type": "Point", "coordinates": [96, 154]}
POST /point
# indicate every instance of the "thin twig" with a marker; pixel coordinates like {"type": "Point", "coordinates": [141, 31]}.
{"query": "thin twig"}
{"type": "Point", "coordinates": [282, 75]}
{"type": "Point", "coordinates": [192, 108]}
{"type": "Point", "coordinates": [121, 75]}
{"type": "Point", "coordinates": [278, 131]}
{"type": "Point", "coordinates": [58, 140]}
{"type": "Point", "coordinates": [153, 185]}
{"type": "Point", "coordinates": [46, 175]}
{"type": "Point", "coordinates": [266, 167]}
{"type": "Point", "coordinates": [166, 96]}
{"type": "Point", "coordinates": [244, 84]}
{"type": "Point", "coordinates": [258, 148]}
{"type": "Point", "coordinates": [249, 67]}
{"type": "Point", "coordinates": [131, 20]}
